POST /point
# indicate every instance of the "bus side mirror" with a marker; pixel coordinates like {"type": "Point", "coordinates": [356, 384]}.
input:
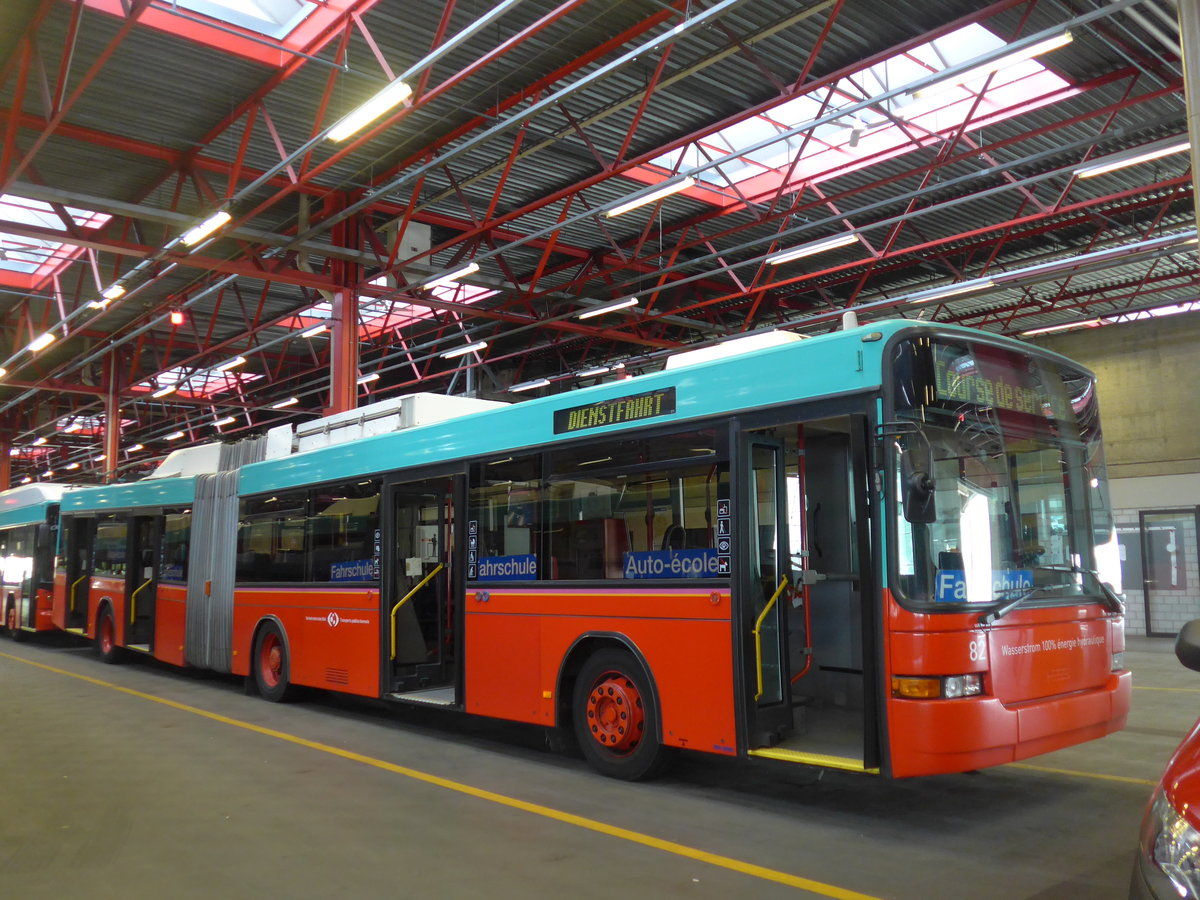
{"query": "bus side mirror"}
{"type": "Point", "coordinates": [1187, 645]}
{"type": "Point", "coordinates": [917, 491]}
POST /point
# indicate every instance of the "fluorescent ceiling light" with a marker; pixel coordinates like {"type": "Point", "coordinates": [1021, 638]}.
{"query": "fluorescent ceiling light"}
{"type": "Point", "coordinates": [367, 379]}
{"type": "Point", "coordinates": [469, 269]}
{"type": "Point", "coordinates": [665, 191]}
{"type": "Point", "coordinates": [3, 371]}
{"type": "Point", "coordinates": [290, 401]}
{"type": "Point", "coordinates": [41, 342]}
{"type": "Point", "coordinates": [231, 364]}
{"type": "Point", "coordinates": [1110, 164]}
{"type": "Point", "coordinates": [996, 65]}
{"type": "Point", "coordinates": [39, 442]}
{"type": "Point", "coordinates": [465, 349]}
{"type": "Point", "coordinates": [205, 228]}
{"type": "Point", "coordinates": [588, 373]}
{"type": "Point", "coordinates": [71, 466]}
{"type": "Point", "coordinates": [73, 427]}
{"type": "Point", "coordinates": [173, 436]}
{"type": "Point", "coordinates": [228, 420]}
{"type": "Point", "coordinates": [134, 449]}
{"type": "Point", "coordinates": [163, 391]}
{"type": "Point", "coordinates": [113, 292]}
{"type": "Point", "coordinates": [529, 385]}
{"type": "Point", "coordinates": [392, 95]}
{"type": "Point", "coordinates": [101, 458]}
{"type": "Point", "coordinates": [809, 249]}
{"type": "Point", "coordinates": [314, 331]}
{"type": "Point", "coordinates": [49, 473]}
{"type": "Point", "coordinates": [951, 290]}
{"type": "Point", "coordinates": [601, 310]}
{"type": "Point", "coordinates": [1049, 329]}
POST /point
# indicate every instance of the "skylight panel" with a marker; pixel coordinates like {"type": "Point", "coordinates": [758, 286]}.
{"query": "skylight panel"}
{"type": "Point", "coordinates": [197, 384]}
{"type": "Point", "coordinates": [29, 255]}
{"type": "Point", "coordinates": [376, 315]}
{"type": "Point", "coordinates": [273, 18]}
{"type": "Point", "coordinates": [890, 127]}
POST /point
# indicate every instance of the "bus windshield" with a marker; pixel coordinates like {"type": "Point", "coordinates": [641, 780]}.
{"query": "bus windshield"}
{"type": "Point", "coordinates": [1000, 480]}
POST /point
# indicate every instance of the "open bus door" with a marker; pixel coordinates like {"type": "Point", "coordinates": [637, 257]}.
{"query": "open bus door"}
{"type": "Point", "coordinates": [765, 580]}
{"type": "Point", "coordinates": [810, 497]}
{"type": "Point", "coordinates": [78, 534]}
{"type": "Point", "coordinates": [421, 637]}
{"type": "Point", "coordinates": [141, 581]}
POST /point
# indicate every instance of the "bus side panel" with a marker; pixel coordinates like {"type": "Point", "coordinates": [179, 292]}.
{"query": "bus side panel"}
{"type": "Point", "coordinates": [44, 618]}
{"type": "Point", "coordinates": [170, 617]}
{"type": "Point", "coordinates": [58, 601]}
{"type": "Point", "coordinates": [516, 644]}
{"type": "Point", "coordinates": [110, 590]}
{"type": "Point", "coordinates": [332, 634]}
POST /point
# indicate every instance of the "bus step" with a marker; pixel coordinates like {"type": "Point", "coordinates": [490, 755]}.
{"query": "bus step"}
{"type": "Point", "coordinates": [140, 648]}
{"type": "Point", "coordinates": [442, 696]}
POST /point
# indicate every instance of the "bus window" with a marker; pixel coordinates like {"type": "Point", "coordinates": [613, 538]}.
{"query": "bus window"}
{"type": "Point", "coordinates": [504, 506]}
{"type": "Point", "coordinates": [628, 510]}
{"type": "Point", "coordinates": [271, 538]}
{"type": "Point", "coordinates": [108, 552]}
{"type": "Point", "coordinates": [342, 532]}
{"type": "Point", "coordinates": [173, 555]}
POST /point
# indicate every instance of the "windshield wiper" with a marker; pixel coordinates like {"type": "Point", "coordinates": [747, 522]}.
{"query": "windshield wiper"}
{"type": "Point", "coordinates": [1108, 596]}
{"type": "Point", "coordinates": [1008, 606]}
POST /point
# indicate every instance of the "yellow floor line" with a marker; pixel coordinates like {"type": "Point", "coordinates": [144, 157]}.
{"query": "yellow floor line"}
{"type": "Point", "coordinates": [1078, 774]}
{"type": "Point", "coordinates": [1144, 687]}
{"type": "Point", "coordinates": [714, 859]}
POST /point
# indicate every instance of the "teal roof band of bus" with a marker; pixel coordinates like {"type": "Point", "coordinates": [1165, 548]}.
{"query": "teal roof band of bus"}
{"type": "Point", "coordinates": [841, 362]}
{"type": "Point", "coordinates": [132, 495]}
{"type": "Point", "coordinates": [31, 514]}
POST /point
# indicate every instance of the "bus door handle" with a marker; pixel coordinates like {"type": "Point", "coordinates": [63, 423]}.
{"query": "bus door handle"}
{"type": "Point", "coordinates": [395, 609]}
{"type": "Point", "coordinates": [133, 600]}
{"type": "Point", "coordinates": [758, 633]}
{"type": "Point", "coordinates": [73, 586]}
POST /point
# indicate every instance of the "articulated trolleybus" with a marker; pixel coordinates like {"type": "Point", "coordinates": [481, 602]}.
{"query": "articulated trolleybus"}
{"type": "Point", "coordinates": [884, 550]}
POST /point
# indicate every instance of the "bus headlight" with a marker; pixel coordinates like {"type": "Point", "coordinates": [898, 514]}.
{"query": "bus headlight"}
{"type": "Point", "coordinates": [918, 687]}
{"type": "Point", "coordinates": [1170, 849]}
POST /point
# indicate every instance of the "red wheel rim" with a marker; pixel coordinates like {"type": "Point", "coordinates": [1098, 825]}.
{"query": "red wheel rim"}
{"type": "Point", "coordinates": [270, 660]}
{"type": "Point", "coordinates": [106, 634]}
{"type": "Point", "coordinates": [616, 718]}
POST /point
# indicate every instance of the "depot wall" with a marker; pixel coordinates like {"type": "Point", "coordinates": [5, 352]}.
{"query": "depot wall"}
{"type": "Point", "coordinates": [1149, 388]}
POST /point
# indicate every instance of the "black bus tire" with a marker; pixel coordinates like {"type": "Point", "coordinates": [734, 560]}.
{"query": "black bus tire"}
{"type": "Point", "coordinates": [616, 718]}
{"type": "Point", "coordinates": [106, 637]}
{"type": "Point", "coordinates": [271, 665]}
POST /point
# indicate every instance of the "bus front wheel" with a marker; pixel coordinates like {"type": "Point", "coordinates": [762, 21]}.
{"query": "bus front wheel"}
{"type": "Point", "coordinates": [271, 664]}
{"type": "Point", "coordinates": [616, 720]}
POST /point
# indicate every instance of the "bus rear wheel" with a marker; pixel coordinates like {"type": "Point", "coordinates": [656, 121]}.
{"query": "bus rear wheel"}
{"type": "Point", "coordinates": [271, 664]}
{"type": "Point", "coordinates": [616, 720]}
{"type": "Point", "coordinates": [106, 637]}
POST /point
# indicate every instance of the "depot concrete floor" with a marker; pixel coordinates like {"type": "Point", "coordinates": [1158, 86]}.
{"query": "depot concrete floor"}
{"type": "Point", "coordinates": [108, 791]}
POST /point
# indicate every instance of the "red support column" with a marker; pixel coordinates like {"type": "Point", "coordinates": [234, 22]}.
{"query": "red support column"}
{"type": "Point", "coordinates": [5, 463]}
{"type": "Point", "coordinates": [343, 357]}
{"type": "Point", "coordinates": [112, 419]}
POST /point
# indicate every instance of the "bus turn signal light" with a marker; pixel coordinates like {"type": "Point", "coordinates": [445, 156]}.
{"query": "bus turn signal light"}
{"type": "Point", "coordinates": [916, 687]}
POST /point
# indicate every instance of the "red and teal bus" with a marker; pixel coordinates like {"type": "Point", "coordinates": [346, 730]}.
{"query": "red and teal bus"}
{"type": "Point", "coordinates": [886, 549]}
{"type": "Point", "coordinates": [28, 533]}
